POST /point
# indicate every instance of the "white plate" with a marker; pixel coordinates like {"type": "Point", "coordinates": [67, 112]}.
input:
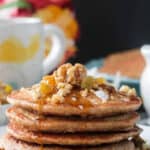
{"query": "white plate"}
{"type": "Point", "coordinates": [145, 134]}
{"type": "Point", "coordinates": [2, 130]}
{"type": "Point", "coordinates": [3, 118]}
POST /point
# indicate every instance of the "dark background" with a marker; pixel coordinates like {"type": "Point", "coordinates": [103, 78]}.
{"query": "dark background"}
{"type": "Point", "coordinates": [111, 25]}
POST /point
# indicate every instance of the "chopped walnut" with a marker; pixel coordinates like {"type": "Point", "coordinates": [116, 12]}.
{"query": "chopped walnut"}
{"type": "Point", "coordinates": [124, 88]}
{"type": "Point", "coordinates": [65, 86]}
{"type": "Point", "coordinates": [57, 99]}
{"type": "Point", "coordinates": [132, 92]}
{"type": "Point", "coordinates": [80, 107]}
{"type": "Point", "coordinates": [70, 74]}
{"type": "Point", "coordinates": [61, 73]}
{"type": "Point", "coordinates": [84, 92]}
{"type": "Point", "coordinates": [34, 91]}
{"type": "Point", "coordinates": [74, 99]}
{"type": "Point", "coordinates": [127, 90]}
{"type": "Point", "coordinates": [76, 74]}
{"type": "Point", "coordinates": [63, 90]}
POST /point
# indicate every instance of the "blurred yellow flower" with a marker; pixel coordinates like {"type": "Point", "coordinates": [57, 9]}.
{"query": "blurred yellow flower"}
{"type": "Point", "coordinates": [8, 88]}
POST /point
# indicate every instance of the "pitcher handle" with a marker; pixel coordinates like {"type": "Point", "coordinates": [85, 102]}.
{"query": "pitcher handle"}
{"type": "Point", "coordinates": [57, 50]}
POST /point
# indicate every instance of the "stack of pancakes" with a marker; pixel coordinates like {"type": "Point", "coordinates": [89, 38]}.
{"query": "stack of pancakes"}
{"type": "Point", "coordinates": [73, 123]}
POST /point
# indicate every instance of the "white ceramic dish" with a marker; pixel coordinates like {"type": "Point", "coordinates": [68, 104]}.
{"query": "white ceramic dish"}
{"type": "Point", "coordinates": [3, 118]}
{"type": "Point", "coordinates": [146, 133]}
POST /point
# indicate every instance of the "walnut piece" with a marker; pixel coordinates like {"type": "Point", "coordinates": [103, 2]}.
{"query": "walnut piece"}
{"type": "Point", "coordinates": [127, 90]}
{"type": "Point", "coordinates": [70, 74]}
{"type": "Point", "coordinates": [63, 90]}
{"type": "Point", "coordinates": [84, 93]}
{"type": "Point", "coordinates": [61, 73]}
{"type": "Point", "coordinates": [56, 98]}
{"type": "Point", "coordinates": [67, 76]}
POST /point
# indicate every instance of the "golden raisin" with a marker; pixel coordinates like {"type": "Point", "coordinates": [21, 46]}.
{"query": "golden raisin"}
{"type": "Point", "coordinates": [87, 82]}
{"type": "Point", "coordinates": [47, 85]}
{"type": "Point", "coordinates": [50, 80]}
{"type": "Point", "coordinates": [8, 88]}
{"type": "Point", "coordinates": [100, 80]}
{"type": "Point", "coordinates": [44, 88]}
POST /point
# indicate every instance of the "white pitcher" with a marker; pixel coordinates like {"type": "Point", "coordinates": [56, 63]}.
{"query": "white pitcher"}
{"type": "Point", "coordinates": [145, 79]}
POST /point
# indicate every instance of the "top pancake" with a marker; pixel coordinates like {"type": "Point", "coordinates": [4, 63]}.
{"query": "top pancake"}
{"type": "Point", "coordinates": [109, 108]}
{"type": "Point", "coordinates": [70, 91]}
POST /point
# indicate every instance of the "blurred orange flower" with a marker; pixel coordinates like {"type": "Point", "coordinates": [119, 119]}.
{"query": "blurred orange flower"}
{"type": "Point", "coordinates": [61, 17]}
{"type": "Point", "coordinates": [49, 14]}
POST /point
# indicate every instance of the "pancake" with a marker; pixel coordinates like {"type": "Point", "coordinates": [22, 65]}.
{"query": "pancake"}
{"type": "Point", "coordinates": [12, 143]}
{"type": "Point", "coordinates": [36, 122]}
{"type": "Point", "coordinates": [25, 100]}
{"type": "Point", "coordinates": [69, 139]}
